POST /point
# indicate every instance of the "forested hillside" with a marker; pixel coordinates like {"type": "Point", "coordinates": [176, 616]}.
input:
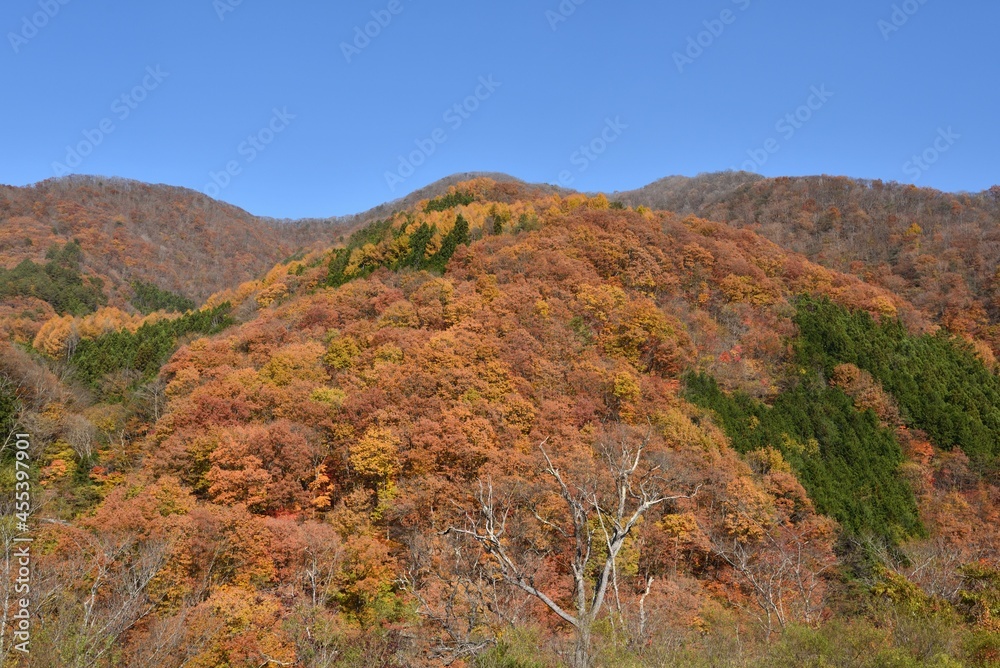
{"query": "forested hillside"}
{"type": "Point", "coordinates": [510, 426]}
{"type": "Point", "coordinates": [178, 239]}
{"type": "Point", "coordinates": [142, 248]}
{"type": "Point", "coordinates": [939, 250]}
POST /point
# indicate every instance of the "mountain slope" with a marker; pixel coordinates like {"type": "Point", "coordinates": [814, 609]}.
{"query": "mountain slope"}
{"type": "Point", "coordinates": [318, 468]}
{"type": "Point", "coordinates": [505, 425]}
{"type": "Point", "coordinates": [939, 250]}
{"type": "Point", "coordinates": [175, 238]}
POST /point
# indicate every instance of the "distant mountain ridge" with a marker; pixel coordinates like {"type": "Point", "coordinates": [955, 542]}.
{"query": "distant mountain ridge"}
{"type": "Point", "coordinates": [183, 241]}
{"type": "Point", "coordinates": [939, 250]}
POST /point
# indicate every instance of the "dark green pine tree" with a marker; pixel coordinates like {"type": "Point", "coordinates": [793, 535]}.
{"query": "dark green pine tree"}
{"type": "Point", "coordinates": [459, 234]}
{"type": "Point", "coordinates": [418, 246]}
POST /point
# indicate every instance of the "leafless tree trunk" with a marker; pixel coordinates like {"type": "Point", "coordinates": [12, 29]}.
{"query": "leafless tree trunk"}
{"type": "Point", "coordinates": [86, 625]}
{"type": "Point", "coordinates": [783, 572]}
{"type": "Point", "coordinates": [635, 488]}
{"type": "Point", "coordinates": [154, 395]}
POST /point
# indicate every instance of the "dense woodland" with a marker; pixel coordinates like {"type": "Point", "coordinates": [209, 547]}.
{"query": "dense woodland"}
{"type": "Point", "coordinates": [941, 251]}
{"type": "Point", "coordinates": [503, 426]}
{"type": "Point", "coordinates": [177, 239]}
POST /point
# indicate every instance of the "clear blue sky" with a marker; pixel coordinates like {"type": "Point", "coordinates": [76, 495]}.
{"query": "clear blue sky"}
{"type": "Point", "coordinates": [894, 93]}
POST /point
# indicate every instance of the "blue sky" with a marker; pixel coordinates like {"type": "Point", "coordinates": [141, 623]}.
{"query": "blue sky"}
{"type": "Point", "coordinates": [260, 103]}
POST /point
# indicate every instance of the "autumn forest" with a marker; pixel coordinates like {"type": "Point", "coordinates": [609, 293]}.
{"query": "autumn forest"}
{"type": "Point", "coordinates": [721, 421]}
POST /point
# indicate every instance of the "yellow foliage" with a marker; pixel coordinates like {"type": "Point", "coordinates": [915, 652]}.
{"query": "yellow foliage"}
{"type": "Point", "coordinates": [331, 396]}
{"type": "Point", "coordinates": [771, 266]}
{"type": "Point", "coordinates": [367, 577]}
{"type": "Point", "coordinates": [55, 335]}
{"type": "Point", "coordinates": [817, 279]}
{"type": "Point", "coordinates": [106, 320]}
{"type": "Point", "coordinates": [439, 290]}
{"type": "Point", "coordinates": [745, 290]}
{"type": "Point", "coordinates": [678, 429]}
{"type": "Point", "coordinates": [599, 203]}
{"type": "Point", "coordinates": [682, 527]}
{"type": "Point", "coordinates": [246, 625]}
{"type": "Point", "coordinates": [172, 584]}
{"type": "Point", "coordinates": [626, 388]}
{"type": "Point", "coordinates": [277, 272]}
{"type": "Point", "coordinates": [244, 291]}
{"type": "Point", "coordinates": [172, 498]}
{"type": "Point", "coordinates": [884, 306]}
{"type": "Point", "coordinates": [271, 294]}
{"type": "Point", "coordinates": [519, 413]}
{"type": "Point", "coordinates": [375, 455]}
{"type": "Point", "coordinates": [220, 298]}
{"type": "Point", "coordinates": [400, 314]}
{"type": "Point", "coordinates": [501, 214]}
{"type": "Point", "coordinates": [358, 258]}
{"type": "Point", "coordinates": [107, 418]}
{"type": "Point", "coordinates": [572, 202]}
{"type": "Point", "coordinates": [321, 487]}
{"type": "Point", "coordinates": [767, 460]}
{"type": "Point", "coordinates": [300, 361]}
{"type": "Point", "coordinates": [390, 353]}
{"type": "Point", "coordinates": [487, 287]}
{"type": "Point", "coordinates": [642, 335]}
{"type": "Point", "coordinates": [341, 352]}
{"type": "Point", "coordinates": [693, 255]}
{"type": "Point", "coordinates": [602, 300]}
{"type": "Point", "coordinates": [748, 510]}
{"type": "Point", "coordinates": [810, 447]}
{"type": "Point", "coordinates": [396, 248]}
{"type": "Point", "coordinates": [986, 354]}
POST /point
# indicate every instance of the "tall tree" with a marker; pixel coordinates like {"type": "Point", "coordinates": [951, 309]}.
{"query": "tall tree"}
{"type": "Point", "coordinates": [599, 515]}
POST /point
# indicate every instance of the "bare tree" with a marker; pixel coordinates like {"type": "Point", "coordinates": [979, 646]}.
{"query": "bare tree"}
{"type": "Point", "coordinates": [9, 423]}
{"type": "Point", "coordinates": [456, 594]}
{"type": "Point", "coordinates": [81, 435]}
{"type": "Point", "coordinates": [601, 513]}
{"type": "Point", "coordinates": [100, 595]}
{"type": "Point", "coordinates": [153, 396]}
{"type": "Point", "coordinates": [784, 571]}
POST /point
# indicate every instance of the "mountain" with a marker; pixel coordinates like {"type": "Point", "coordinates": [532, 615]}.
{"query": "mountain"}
{"type": "Point", "coordinates": [179, 239]}
{"type": "Point", "coordinates": [176, 238]}
{"type": "Point", "coordinates": [138, 247]}
{"type": "Point", "coordinates": [504, 424]}
{"type": "Point", "coordinates": [939, 250]}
